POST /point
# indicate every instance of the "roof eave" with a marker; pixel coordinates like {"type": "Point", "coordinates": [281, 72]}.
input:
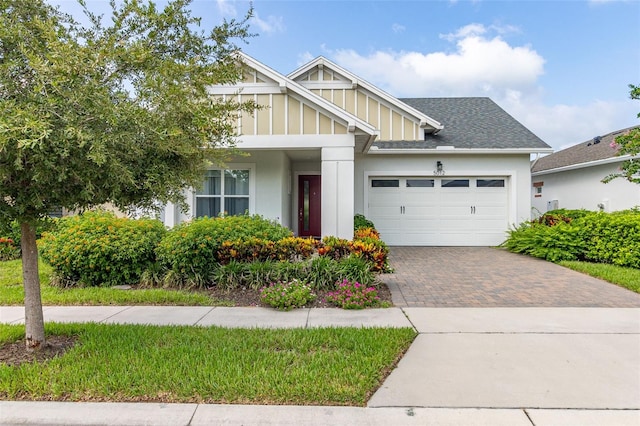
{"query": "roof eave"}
{"type": "Point", "coordinates": [610, 160]}
{"type": "Point", "coordinates": [453, 150]}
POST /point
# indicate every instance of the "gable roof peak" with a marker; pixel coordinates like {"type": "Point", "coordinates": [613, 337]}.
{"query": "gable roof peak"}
{"type": "Point", "coordinates": [356, 82]}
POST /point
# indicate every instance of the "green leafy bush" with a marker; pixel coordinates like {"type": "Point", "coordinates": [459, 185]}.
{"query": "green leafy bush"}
{"type": "Point", "coordinates": [580, 235]}
{"type": "Point", "coordinates": [190, 250]}
{"type": "Point", "coordinates": [612, 238]}
{"type": "Point", "coordinates": [97, 248]}
{"type": "Point", "coordinates": [285, 296]}
{"type": "Point", "coordinates": [359, 221]}
{"type": "Point", "coordinates": [553, 243]}
{"type": "Point", "coordinates": [353, 295]}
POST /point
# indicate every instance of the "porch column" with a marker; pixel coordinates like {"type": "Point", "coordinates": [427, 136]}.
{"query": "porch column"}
{"type": "Point", "coordinates": [170, 215]}
{"type": "Point", "coordinates": [337, 191]}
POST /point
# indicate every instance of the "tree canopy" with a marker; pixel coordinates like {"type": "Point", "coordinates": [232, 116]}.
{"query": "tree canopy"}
{"type": "Point", "coordinates": [116, 113]}
{"type": "Point", "coordinates": [629, 144]}
{"type": "Point", "coordinates": [113, 111]}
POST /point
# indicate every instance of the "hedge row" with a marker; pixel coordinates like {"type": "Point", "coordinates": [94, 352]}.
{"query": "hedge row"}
{"type": "Point", "coordinates": [97, 248]}
{"type": "Point", "coordinates": [580, 235]}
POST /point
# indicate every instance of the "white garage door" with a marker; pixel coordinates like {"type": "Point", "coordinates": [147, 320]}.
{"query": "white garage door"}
{"type": "Point", "coordinates": [439, 211]}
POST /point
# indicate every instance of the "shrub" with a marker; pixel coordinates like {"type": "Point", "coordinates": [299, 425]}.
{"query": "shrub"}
{"type": "Point", "coordinates": [191, 249]}
{"type": "Point", "coordinates": [334, 247]}
{"type": "Point", "coordinates": [8, 249]}
{"type": "Point", "coordinates": [250, 249]}
{"type": "Point", "coordinates": [285, 296]}
{"type": "Point", "coordinates": [580, 235]}
{"type": "Point", "coordinates": [365, 233]}
{"type": "Point", "coordinates": [359, 221]}
{"type": "Point", "coordinates": [612, 238]}
{"type": "Point", "coordinates": [373, 250]}
{"type": "Point", "coordinates": [552, 219]}
{"type": "Point", "coordinates": [97, 248]}
{"type": "Point", "coordinates": [553, 243]}
{"type": "Point", "coordinates": [353, 295]}
{"type": "Point", "coordinates": [295, 248]}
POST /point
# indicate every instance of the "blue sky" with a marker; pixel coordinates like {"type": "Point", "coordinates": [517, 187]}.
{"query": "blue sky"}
{"type": "Point", "coordinates": [560, 67]}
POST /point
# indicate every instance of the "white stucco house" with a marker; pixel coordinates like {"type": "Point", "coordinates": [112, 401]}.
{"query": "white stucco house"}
{"type": "Point", "coordinates": [327, 145]}
{"type": "Point", "coordinates": [572, 178]}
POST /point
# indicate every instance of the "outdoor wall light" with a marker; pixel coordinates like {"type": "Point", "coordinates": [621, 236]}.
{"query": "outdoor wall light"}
{"type": "Point", "coordinates": [439, 171]}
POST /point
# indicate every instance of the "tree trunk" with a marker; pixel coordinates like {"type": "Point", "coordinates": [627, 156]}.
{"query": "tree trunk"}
{"type": "Point", "coordinates": [33, 316]}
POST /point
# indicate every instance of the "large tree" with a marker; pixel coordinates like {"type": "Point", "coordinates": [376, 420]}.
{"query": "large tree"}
{"type": "Point", "coordinates": [629, 144]}
{"type": "Point", "coordinates": [112, 111]}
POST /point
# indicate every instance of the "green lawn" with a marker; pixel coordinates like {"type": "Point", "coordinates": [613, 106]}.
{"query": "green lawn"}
{"type": "Point", "coordinates": [625, 277]}
{"type": "Point", "coordinates": [327, 366]}
{"type": "Point", "coordinates": [12, 293]}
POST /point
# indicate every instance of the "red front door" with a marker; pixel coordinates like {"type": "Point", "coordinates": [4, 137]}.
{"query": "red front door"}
{"type": "Point", "coordinates": [309, 206]}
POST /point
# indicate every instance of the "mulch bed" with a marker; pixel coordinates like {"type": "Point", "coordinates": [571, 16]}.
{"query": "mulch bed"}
{"type": "Point", "coordinates": [249, 297]}
{"type": "Point", "coordinates": [15, 353]}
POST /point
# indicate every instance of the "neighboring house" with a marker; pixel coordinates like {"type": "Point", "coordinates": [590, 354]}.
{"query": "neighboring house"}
{"type": "Point", "coordinates": [572, 178]}
{"type": "Point", "coordinates": [328, 145]}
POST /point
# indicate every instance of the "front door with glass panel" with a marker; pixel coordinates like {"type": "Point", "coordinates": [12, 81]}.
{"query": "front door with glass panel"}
{"type": "Point", "coordinates": [224, 192]}
{"type": "Point", "coordinates": [309, 223]}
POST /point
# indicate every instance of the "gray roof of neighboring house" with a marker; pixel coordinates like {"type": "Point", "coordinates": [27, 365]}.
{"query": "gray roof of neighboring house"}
{"type": "Point", "coordinates": [475, 123]}
{"type": "Point", "coordinates": [597, 148]}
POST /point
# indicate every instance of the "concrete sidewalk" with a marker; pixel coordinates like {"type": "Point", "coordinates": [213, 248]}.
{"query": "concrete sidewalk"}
{"type": "Point", "coordinates": [468, 366]}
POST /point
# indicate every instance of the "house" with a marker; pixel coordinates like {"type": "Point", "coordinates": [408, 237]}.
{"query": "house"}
{"type": "Point", "coordinates": [328, 144]}
{"type": "Point", "coordinates": [572, 178]}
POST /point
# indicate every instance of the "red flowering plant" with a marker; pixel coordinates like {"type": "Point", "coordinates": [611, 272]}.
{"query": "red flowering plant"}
{"type": "Point", "coordinates": [353, 295]}
{"type": "Point", "coordinates": [8, 250]}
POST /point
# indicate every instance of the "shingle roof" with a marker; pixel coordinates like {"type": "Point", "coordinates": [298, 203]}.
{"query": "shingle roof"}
{"type": "Point", "coordinates": [597, 148]}
{"type": "Point", "coordinates": [468, 123]}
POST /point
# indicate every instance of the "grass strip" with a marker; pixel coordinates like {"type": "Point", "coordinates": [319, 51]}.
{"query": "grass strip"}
{"type": "Point", "coordinates": [324, 366]}
{"type": "Point", "coordinates": [12, 292]}
{"type": "Point", "coordinates": [628, 278]}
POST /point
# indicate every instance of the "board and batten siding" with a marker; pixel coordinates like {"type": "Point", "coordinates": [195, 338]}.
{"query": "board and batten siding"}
{"type": "Point", "coordinates": [280, 113]}
{"type": "Point", "coordinates": [393, 123]}
{"type": "Point", "coordinates": [284, 114]}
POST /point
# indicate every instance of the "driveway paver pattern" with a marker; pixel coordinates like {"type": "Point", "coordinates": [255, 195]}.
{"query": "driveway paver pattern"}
{"type": "Point", "coordinates": [492, 277]}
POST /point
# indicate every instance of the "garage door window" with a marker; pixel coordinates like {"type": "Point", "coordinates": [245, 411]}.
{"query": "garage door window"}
{"type": "Point", "coordinates": [490, 183]}
{"type": "Point", "coordinates": [420, 183]}
{"type": "Point", "coordinates": [385, 183]}
{"type": "Point", "coordinates": [455, 183]}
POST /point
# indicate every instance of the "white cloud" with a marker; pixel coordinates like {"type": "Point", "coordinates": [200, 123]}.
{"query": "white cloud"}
{"type": "Point", "coordinates": [479, 66]}
{"type": "Point", "coordinates": [305, 58]}
{"type": "Point", "coordinates": [484, 64]}
{"type": "Point", "coordinates": [563, 125]}
{"type": "Point", "coordinates": [466, 31]}
{"type": "Point", "coordinates": [227, 8]}
{"type": "Point", "coordinates": [273, 24]}
{"type": "Point", "coordinates": [398, 28]}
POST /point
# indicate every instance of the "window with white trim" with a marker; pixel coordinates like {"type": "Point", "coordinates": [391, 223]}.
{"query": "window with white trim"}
{"type": "Point", "coordinates": [224, 192]}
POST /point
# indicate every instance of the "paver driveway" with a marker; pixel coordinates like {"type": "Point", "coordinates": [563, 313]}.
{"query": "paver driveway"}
{"type": "Point", "coordinates": [490, 277]}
